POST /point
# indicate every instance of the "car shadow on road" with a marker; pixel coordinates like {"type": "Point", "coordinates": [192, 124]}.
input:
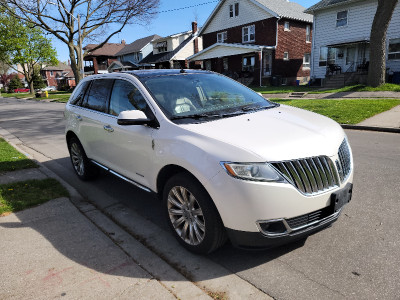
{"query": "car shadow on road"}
{"type": "Point", "coordinates": [109, 194]}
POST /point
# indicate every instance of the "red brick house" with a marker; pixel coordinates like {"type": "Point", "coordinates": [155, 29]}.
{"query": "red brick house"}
{"type": "Point", "coordinates": [98, 61]}
{"type": "Point", "coordinates": [60, 76]}
{"type": "Point", "coordinates": [258, 41]}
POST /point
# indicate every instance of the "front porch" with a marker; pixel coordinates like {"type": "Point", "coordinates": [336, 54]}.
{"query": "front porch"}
{"type": "Point", "coordinates": [248, 64]}
{"type": "Point", "coordinates": [346, 63]}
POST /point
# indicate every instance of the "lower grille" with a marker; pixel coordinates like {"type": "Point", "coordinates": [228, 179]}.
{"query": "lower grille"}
{"type": "Point", "coordinates": [306, 219]}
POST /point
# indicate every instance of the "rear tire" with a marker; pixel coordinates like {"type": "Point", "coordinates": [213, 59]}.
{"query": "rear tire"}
{"type": "Point", "coordinates": [83, 168]}
{"type": "Point", "coordinates": [192, 215]}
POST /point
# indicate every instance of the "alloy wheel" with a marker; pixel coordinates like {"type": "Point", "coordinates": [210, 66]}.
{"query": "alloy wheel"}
{"type": "Point", "coordinates": [77, 159]}
{"type": "Point", "coordinates": [186, 215]}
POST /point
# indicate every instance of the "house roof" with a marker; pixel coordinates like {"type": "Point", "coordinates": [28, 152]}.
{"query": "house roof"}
{"type": "Point", "coordinates": [137, 45]}
{"type": "Point", "coordinates": [286, 9]}
{"type": "Point", "coordinates": [278, 8]}
{"type": "Point", "coordinates": [327, 4]}
{"type": "Point", "coordinates": [108, 49]}
{"type": "Point", "coordinates": [165, 56]}
{"type": "Point", "coordinates": [60, 67]}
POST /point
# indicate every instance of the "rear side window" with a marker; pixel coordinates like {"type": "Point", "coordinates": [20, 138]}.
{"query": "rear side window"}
{"type": "Point", "coordinates": [99, 93]}
{"type": "Point", "coordinates": [80, 93]}
{"type": "Point", "coordinates": [125, 96]}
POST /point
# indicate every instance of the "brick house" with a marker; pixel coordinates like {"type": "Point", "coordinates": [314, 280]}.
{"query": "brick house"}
{"type": "Point", "coordinates": [60, 76]}
{"type": "Point", "coordinates": [99, 60]}
{"type": "Point", "coordinates": [255, 41]}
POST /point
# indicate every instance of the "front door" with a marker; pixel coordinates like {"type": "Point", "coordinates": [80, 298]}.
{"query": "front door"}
{"type": "Point", "coordinates": [351, 59]}
{"type": "Point", "coordinates": [267, 63]}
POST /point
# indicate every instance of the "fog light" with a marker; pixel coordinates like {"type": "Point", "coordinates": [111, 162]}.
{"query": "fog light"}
{"type": "Point", "coordinates": [273, 227]}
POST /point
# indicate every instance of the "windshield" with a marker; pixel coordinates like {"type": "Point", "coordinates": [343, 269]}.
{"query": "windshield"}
{"type": "Point", "coordinates": [203, 95]}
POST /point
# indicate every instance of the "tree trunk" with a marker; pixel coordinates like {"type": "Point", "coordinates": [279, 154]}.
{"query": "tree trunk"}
{"type": "Point", "coordinates": [31, 88]}
{"type": "Point", "coordinates": [377, 65]}
{"type": "Point", "coordinates": [74, 66]}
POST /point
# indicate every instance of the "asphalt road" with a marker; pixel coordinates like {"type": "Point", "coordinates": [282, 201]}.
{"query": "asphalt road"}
{"type": "Point", "coordinates": [357, 258]}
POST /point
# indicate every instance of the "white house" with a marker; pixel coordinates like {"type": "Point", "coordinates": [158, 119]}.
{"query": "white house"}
{"type": "Point", "coordinates": [341, 37]}
{"type": "Point", "coordinates": [171, 52]}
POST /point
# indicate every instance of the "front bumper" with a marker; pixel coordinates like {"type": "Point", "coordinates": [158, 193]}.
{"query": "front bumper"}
{"type": "Point", "coordinates": [295, 228]}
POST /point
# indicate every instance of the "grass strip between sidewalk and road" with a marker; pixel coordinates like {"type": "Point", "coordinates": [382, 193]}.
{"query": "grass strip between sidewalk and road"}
{"type": "Point", "coordinates": [25, 194]}
{"type": "Point", "coordinates": [53, 96]}
{"type": "Point", "coordinates": [346, 111]}
{"type": "Point", "coordinates": [12, 160]}
{"type": "Point", "coordinates": [388, 87]}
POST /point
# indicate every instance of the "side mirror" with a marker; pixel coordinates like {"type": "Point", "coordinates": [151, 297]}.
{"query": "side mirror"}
{"type": "Point", "coordinates": [133, 117]}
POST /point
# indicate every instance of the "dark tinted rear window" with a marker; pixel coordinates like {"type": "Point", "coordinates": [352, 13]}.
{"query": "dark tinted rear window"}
{"type": "Point", "coordinates": [98, 94]}
{"type": "Point", "coordinates": [80, 93]}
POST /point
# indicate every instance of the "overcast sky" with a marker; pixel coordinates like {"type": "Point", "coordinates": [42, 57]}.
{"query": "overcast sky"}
{"type": "Point", "coordinates": [165, 23]}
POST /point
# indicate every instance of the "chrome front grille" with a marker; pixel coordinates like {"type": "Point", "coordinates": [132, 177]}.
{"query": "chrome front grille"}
{"type": "Point", "coordinates": [311, 175]}
{"type": "Point", "coordinates": [343, 164]}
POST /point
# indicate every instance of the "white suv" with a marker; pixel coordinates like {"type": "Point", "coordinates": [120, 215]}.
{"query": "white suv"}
{"type": "Point", "coordinates": [226, 162]}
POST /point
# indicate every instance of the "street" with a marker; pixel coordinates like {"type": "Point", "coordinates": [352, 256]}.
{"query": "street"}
{"type": "Point", "coordinates": [357, 258]}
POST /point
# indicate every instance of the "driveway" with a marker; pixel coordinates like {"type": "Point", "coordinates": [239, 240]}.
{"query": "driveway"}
{"type": "Point", "coordinates": [357, 257]}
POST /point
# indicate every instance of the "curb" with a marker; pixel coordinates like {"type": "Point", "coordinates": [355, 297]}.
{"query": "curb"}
{"type": "Point", "coordinates": [370, 128]}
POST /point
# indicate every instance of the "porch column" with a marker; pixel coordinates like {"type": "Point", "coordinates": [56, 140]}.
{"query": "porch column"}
{"type": "Point", "coordinates": [95, 66]}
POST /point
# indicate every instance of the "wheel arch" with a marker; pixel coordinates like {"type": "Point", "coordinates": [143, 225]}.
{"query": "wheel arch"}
{"type": "Point", "coordinates": [70, 134]}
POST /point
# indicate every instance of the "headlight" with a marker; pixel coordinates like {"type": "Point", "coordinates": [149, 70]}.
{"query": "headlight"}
{"type": "Point", "coordinates": [255, 171]}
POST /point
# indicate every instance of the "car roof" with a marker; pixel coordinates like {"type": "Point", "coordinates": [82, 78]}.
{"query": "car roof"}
{"type": "Point", "coordinates": [163, 72]}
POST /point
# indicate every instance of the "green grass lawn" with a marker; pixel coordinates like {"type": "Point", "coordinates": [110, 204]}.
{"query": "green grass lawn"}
{"type": "Point", "coordinates": [21, 195]}
{"type": "Point", "coordinates": [388, 87]}
{"type": "Point", "coordinates": [11, 159]}
{"type": "Point", "coordinates": [346, 111]}
{"type": "Point", "coordinates": [55, 96]}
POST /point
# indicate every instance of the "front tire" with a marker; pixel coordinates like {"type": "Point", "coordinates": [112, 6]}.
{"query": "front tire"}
{"type": "Point", "coordinates": [192, 215]}
{"type": "Point", "coordinates": [83, 168]}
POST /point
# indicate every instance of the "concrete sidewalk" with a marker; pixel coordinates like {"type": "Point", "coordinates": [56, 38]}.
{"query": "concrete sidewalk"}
{"type": "Point", "coordinates": [340, 95]}
{"type": "Point", "coordinates": [54, 251]}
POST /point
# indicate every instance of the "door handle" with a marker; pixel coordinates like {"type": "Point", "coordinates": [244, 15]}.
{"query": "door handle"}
{"type": "Point", "coordinates": [78, 117]}
{"type": "Point", "coordinates": [108, 128]}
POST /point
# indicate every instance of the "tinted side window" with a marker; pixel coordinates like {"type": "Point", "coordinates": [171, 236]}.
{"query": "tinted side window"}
{"type": "Point", "coordinates": [80, 93]}
{"type": "Point", "coordinates": [125, 96]}
{"type": "Point", "coordinates": [98, 94]}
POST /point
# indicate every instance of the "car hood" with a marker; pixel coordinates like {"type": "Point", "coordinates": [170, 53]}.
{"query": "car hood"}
{"type": "Point", "coordinates": [281, 133]}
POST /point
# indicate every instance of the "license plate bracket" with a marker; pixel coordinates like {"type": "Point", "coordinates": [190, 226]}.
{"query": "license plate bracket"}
{"type": "Point", "coordinates": [342, 197]}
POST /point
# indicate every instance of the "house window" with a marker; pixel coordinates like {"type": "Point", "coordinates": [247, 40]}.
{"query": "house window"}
{"type": "Point", "coordinates": [307, 61]}
{"type": "Point", "coordinates": [162, 47]}
{"type": "Point", "coordinates": [287, 26]}
{"type": "Point", "coordinates": [394, 49]}
{"type": "Point", "coordinates": [285, 55]}
{"type": "Point", "coordinates": [284, 81]}
{"type": "Point", "coordinates": [308, 33]}
{"type": "Point", "coordinates": [51, 73]}
{"type": "Point", "coordinates": [327, 56]}
{"type": "Point", "coordinates": [341, 19]}
{"type": "Point", "coordinates": [222, 37]}
{"type": "Point", "coordinates": [249, 34]}
{"type": "Point", "coordinates": [234, 10]}
{"type": "Point", "coordinates": [248, 63]}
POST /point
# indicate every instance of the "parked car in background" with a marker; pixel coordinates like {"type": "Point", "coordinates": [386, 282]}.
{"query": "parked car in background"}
{"type": "Point", "coordinates": [21, 90]}
{"type": "Point", "coordinates": [49, 89]}
{"type": "Point", "coordinates": [226, 162]}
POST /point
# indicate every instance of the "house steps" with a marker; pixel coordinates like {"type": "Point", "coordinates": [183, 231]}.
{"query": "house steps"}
{"type": "Point", "coordinates": [245, 80]}
{"type": "Point", "coordinates": [297, 95]}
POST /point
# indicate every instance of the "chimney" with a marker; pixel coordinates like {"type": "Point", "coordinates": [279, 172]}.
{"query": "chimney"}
{"type": "Point", "coordinates": [69, 62]}
{"type": "Point", "coordinates": [194, 27]}
{"type": "Point", "coordinates": [123, 42]}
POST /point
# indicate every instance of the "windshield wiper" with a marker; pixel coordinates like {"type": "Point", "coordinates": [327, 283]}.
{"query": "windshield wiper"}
{"type": "Point", "coordinates": [255, 108]}
{"type": "Point", "coordinates": [195, 116]}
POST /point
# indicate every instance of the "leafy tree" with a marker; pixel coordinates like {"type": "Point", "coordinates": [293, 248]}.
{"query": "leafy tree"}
{"type": "Point", "coordinates": [101, 20]}
{"type": "Point", "coordinates": [15, 83]}
{"type": "Point", "coordinates": [38, 82]}
{"type": "Point", "coordinates": [377, 66]}
{"type": "Point", "coordinates": [24, 45]}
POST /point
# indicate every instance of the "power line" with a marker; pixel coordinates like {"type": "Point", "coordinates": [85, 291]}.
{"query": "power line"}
{"type": "Point", "coordinates": [186, 7]}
